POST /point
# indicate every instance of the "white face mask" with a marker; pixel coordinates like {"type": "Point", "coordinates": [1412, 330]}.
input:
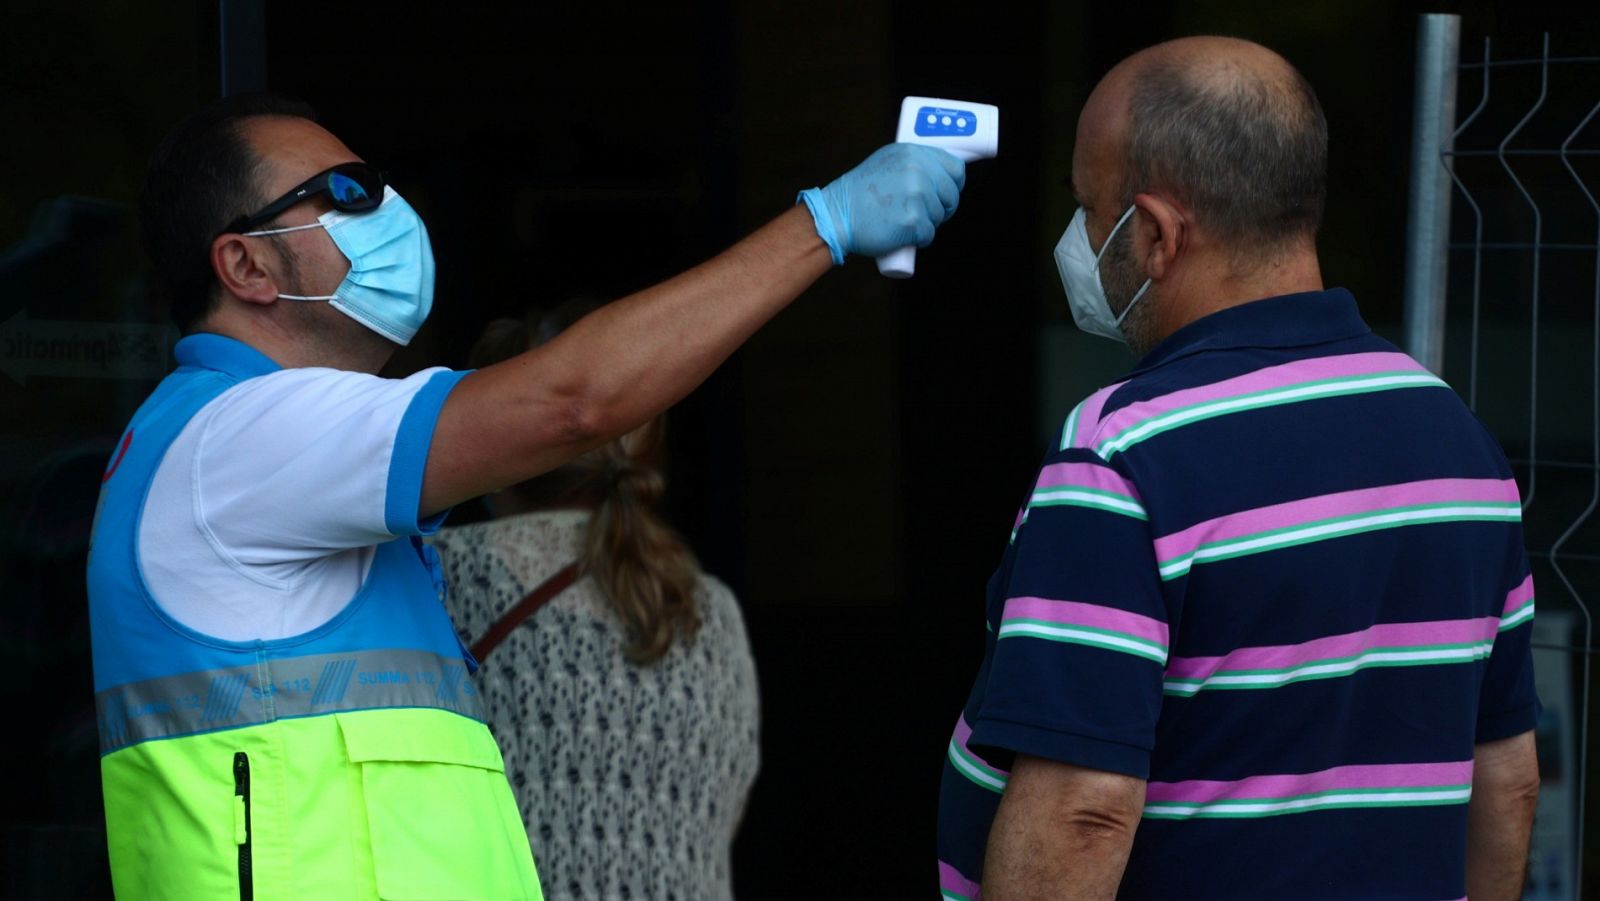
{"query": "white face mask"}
{"type": "Point", "coordinates": [1079, 266]}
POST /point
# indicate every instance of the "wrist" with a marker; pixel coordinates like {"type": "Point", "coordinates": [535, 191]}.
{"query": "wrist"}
{"type": "Point", "coordinates": [817, 205]}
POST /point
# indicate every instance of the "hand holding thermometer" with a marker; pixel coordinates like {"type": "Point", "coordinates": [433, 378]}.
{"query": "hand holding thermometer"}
{"type": "Point", "coordinates": [970, 131]}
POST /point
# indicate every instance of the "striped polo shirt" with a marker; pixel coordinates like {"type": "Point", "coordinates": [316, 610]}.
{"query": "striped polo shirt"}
{"type": "Point", "coordinates": [1277, 572]}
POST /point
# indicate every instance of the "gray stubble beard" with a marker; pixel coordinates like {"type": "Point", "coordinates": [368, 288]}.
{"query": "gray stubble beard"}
{"type": "Point", "coordinates": [1121, 276]}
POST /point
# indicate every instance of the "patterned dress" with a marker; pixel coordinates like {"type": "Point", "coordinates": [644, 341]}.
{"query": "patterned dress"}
{"type": "Point", "coordinates": [631, 779]}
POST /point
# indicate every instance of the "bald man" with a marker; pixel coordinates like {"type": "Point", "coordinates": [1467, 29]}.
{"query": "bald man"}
{"type": "Point", "coordinates": [1262, 627]}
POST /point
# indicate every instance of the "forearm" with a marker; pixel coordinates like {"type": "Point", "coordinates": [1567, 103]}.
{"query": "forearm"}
{"type": "Point", "coordinates": [1061, 832]}
{"type": "Point", "coordinates": [1505, 790]}
{"type": "Point", "coordinates": [634, 358]}
{"type": "Point", "coordinates": [617, 367]}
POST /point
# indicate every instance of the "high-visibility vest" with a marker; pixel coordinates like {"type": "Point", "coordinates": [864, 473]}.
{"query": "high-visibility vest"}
{"type": "Point", "coordinates": [348, 762]}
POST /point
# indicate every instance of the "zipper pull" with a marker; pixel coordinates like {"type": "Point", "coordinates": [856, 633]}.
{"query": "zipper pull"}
{"type": "Point", "coordinates": [241, 823]}
{"type": "Point", "coordinates": [241, 798]}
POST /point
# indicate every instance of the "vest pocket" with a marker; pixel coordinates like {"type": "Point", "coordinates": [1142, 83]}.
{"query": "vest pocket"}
{"type": "Point", "coordinates": [440, 815]}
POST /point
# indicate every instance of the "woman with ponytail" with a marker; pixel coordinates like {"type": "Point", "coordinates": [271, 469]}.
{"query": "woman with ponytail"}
{"type": "Point", "coordinates": [616, 676]}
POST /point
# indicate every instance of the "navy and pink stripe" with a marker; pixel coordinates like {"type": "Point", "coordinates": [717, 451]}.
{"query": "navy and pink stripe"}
{"type": "Point", "coordinates": [1301, 380]}
{"type": "Point", "coordinates": [1390, 644]}
{"type": "Point", "coordinates": [1085, 418]}
{"type": "Point", "coordinates": [969, 764]}
{"type": "Point", "coordinates": [1335, 515]}
{"type": "Point", "coordinates": [1341, 787]}
{"type": "Point", "coordinates": [955, 887]}
{"type": "Point", "coordinates": [1086, 624]}
{"type": "Point", "coordinates": [1519, 605]}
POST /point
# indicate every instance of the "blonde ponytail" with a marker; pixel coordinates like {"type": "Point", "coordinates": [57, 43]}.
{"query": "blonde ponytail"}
{"type": "Point", "coordinates": [642, 566]}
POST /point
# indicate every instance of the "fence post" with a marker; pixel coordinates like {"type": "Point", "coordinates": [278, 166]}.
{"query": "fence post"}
{"type": "Point", "coordinates": [1428, 218]}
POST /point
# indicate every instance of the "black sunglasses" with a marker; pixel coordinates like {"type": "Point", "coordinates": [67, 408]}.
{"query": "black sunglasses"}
{"type": "Point", "coordinates": [352, 187]}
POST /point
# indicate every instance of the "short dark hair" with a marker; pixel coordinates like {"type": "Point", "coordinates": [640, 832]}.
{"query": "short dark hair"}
{"type": "Point", "coordinates": [1246, 151]}
{"type": "Point", "coordinates": [203, 175]}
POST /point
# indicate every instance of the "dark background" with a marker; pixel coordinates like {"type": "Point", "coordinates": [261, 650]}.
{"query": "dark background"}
{"type": "Point", "coordinates": [852, 473]}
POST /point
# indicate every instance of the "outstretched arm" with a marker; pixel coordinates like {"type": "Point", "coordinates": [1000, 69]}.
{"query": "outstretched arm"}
{"type": "Point", "coordinates": [630, 360]}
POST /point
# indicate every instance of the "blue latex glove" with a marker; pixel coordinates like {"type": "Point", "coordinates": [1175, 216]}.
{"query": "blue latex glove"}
{"type": "Point", "coordinates": [895, 198]}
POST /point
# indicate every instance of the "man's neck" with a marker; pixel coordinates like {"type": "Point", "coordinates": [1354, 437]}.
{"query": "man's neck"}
{"type": "Point", "coordinates": [294, 348]}
{"type": "Point", "coordinates": [1217, 285]}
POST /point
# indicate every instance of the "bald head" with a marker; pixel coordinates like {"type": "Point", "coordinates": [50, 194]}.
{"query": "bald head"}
{"type": "Point", "coordinates": [1209, 57]}
{"type": "Point", "coordinates": [1224, 126]}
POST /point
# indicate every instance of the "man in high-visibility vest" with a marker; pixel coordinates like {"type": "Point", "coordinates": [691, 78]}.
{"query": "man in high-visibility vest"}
{"type": "Point", "coordinates": [283, 704]}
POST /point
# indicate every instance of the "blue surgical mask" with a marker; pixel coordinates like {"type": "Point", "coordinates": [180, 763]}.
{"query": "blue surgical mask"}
{"type": "Point", "coordinates": [1079, 267]}
{"type": "Point", "coordinates": [389, 288]}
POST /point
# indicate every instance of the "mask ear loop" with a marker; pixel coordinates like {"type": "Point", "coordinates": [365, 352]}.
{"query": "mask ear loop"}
{"type": "Point", "coordinates": [293, 228]}
{"type": "Point", "coordinates": [1107, 246]}
{"type": "Point", "coordinates": [1114, 229]}
{"type": "Point", "coordinates": [1129, 308]}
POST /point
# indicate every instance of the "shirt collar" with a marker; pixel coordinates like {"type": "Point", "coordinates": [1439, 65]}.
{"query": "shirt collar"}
{"type": "Point", "coordinates": [1289, 320]}
{"type": "Point", "coordinates": [224, 354]}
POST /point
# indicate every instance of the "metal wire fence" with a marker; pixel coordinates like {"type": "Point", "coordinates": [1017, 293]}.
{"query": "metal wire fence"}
{"type": "Point", "coordinates": [1503, 299]}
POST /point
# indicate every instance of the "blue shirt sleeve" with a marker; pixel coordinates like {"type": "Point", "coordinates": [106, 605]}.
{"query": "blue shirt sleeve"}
{"type": "Point", "coordinates": [402, 507]}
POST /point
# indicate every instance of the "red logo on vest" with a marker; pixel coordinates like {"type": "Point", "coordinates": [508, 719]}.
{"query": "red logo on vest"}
{"type": "Point", "coordinates": [121, 452]}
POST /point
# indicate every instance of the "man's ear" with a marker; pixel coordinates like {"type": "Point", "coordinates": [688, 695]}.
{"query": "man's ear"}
{"type": "Point", "coordinates": [1162, 233]}
{"type": "Point", "coordinates": [239, 269]}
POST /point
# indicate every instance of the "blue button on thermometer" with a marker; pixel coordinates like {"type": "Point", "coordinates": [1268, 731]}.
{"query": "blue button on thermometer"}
{"type": "Point", "coordinates": [944, 122]}
{"type": "Point", "coordinates": [970, 131]}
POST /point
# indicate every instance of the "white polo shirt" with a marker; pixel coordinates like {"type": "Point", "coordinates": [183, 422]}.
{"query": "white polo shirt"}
{"type": "Point", "coordinates": [263, 516]}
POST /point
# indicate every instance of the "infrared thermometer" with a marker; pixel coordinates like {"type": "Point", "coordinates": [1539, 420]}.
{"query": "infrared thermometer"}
{"type": "Point", "coordinates": [970, 131]}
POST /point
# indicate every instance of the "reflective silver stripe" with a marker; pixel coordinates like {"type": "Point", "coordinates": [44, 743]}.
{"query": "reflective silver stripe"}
{"type": "Point", "coordinates": [239, 696]}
